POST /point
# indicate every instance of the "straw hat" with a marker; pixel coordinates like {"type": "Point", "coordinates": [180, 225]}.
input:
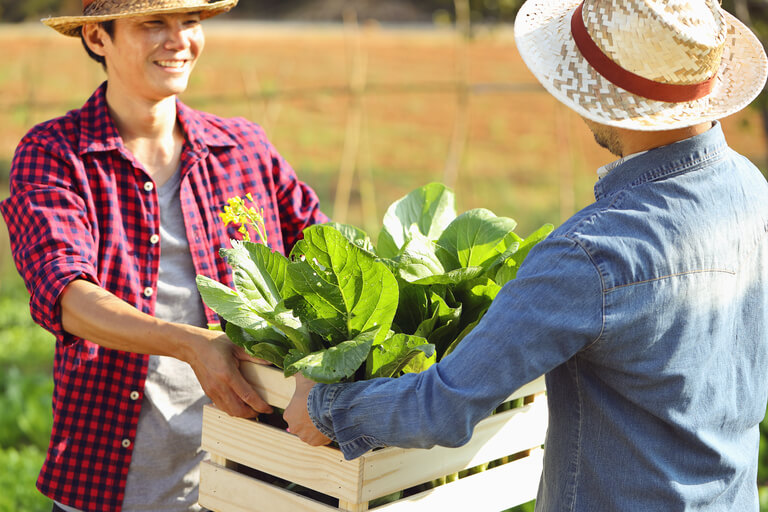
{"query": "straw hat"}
{"type": "Point", "coordinates": [642, 64]}
{"type": "Point", "coordinates": [96, 11]}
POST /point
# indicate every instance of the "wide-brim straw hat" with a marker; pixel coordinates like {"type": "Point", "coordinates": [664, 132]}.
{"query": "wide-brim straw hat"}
{"type": "Point", "coordinates": [97, 11]}
{"type": "Point", "coordinates": [644, 64]}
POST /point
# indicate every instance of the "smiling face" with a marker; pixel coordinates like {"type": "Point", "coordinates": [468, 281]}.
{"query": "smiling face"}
{"type": "Point", "coordinates": [149, 57]}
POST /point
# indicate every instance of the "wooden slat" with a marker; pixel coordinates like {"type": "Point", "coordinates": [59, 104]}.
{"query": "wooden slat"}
{"type": "Point", "coordinates": [347, 506]}
{"type": "Point", "coordinates": [276, 390]}
{"type": "Point", "coordinates": [391, 469]}
{"type": "Point", "coordinates": [270, 383]}
{"type": "Point", "coordinates": [225, 490]}
{"type": "Point", "coordinates": [284, 455]}
{"type": "Point", "coordinates": [490, 491]}
{"type": "Point", "coordinates": [532, 388]}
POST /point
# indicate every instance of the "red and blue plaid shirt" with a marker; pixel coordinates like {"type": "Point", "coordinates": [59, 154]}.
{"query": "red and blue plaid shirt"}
{"type": "Point", "coordinates": [81, 206]}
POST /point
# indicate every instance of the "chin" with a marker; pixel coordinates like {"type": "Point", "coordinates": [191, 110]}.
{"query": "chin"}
{"type": "Point", "coordinates": [174, 88]}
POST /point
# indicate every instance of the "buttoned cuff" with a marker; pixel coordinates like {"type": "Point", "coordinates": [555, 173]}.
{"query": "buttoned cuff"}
{"type": "Point", "coordinates": [319, 404]}
{"type": "Point", "coordinates": [327, 400]}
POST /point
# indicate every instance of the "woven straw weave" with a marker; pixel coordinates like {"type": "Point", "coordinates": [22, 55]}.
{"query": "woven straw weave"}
{"type": "Point", "coordinates": [668, 41]}
{"type": "Point", "coordinates": [104, 10]}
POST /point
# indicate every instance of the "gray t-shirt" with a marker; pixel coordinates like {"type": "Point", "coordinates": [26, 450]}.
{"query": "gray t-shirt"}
{"type": "Point", "coordinates": [164, 471]}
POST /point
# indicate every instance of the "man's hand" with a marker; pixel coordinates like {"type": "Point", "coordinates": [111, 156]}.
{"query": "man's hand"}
{"type": "Point", "coordinates": [92, 313]}
{"type": "Point", "coordinates": [217, 366]}
{"type": "Point", "coordinates": [297, 415]}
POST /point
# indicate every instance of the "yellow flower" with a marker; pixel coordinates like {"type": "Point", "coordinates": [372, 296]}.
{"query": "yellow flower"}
{"type": "Point", "coordinates": [235, 212]}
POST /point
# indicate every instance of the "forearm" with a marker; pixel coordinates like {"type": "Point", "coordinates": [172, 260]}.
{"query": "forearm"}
{"type": "Point", "coordinates": [90, 312]}
{"type": "Point", "coordinates": [93, 313]}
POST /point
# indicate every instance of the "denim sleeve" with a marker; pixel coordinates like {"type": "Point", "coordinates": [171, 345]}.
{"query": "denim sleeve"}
{"type": "Point", "coordinates": [552, 310]}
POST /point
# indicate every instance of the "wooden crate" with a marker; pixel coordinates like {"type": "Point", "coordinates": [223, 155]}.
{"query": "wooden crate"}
{"type": "Point", "coordinates": [238, 446]}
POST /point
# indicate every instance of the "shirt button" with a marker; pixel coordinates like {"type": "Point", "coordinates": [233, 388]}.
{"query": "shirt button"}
{"type": "Point", "coordinates": [154, 239]}
{"type": "Point", "coordinates": [126, 443]}
{"type": "Point", "coordinates": [149, 186]}
{"type": "Point", "coordinates": [135, 395]}
{"type": "Point", "coordinates": [148, 291]}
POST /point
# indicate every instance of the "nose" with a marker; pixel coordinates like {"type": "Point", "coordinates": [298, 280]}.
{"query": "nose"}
{"type": "Point", "coordinates": [177, 36]}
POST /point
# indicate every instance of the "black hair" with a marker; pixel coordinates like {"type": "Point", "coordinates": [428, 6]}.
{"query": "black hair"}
{"type": "Point", "coordinates": [109, 28]}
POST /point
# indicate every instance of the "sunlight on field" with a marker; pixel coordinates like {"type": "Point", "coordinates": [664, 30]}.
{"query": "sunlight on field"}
{"type": "Point", "coordinates": [526, 156]}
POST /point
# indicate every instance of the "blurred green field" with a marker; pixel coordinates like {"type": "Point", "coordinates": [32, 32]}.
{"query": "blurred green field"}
{"type": "Point", "coordinates": [526, 157]}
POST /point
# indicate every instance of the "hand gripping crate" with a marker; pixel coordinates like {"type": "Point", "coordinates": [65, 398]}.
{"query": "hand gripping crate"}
{"type": "Point", "coordinates": [244, 451]}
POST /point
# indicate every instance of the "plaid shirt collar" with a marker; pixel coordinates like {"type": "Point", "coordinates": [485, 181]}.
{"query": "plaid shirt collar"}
{"type": "Point", "coordinates": [96, 135]}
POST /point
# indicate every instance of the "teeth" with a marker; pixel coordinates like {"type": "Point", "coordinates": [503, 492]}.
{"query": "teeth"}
{"type": "Point", "coordinates": [171, 63]}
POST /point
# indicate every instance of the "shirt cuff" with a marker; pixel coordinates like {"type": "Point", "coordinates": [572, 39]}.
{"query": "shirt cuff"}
{"type": "Point", "coordinates": [320, 405]}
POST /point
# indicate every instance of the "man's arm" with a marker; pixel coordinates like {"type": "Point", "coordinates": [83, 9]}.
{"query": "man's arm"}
{"type": "Point", "coordinates": [551, 311]}
{"type": "Point", "coordinates": [90, 312]}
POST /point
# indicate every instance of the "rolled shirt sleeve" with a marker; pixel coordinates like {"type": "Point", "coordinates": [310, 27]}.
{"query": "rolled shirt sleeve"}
{"type": "Point", "coordinates": [551, 311]}
{"type": "Point", "coordinates": [49, 229]}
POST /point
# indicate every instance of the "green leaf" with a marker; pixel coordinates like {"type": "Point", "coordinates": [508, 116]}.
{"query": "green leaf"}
{"type": "Point", "coordinates": [461, 336]}
{"type": "Point", "coordinates": [418, 259]}
{"type": "Point", "coordinates": [286, 321]}
{"type": "Point", "coordinates": [342, 290]}
{"type": "Point", "coordinates": [443, 323]}
{"type": "Point", "coordinates": [412, 308]}
{"type": "Point", "coordinates": [452, 278]}
{"type": "Point", "coordinates": [476, 297]}
{"type": "Point", "coordinates": [235, 308]}
{"type": "Point", "coordinates": [355, 235]}
{"type": "Point", "coordinates": [419, 363]}
{"type": "Point", "coordinates": [508, 269]}
{"type": "Point", "coordinates": [231, 305]}
{"type": "Point", "coordinates": [426, 210]}
{"type": "Point", "coordinates": [336, 363]}
{"type": "Point", "coordinates": [534, 238]}
{"type": "Point", "coordinates": [389, 358]}
{"type": "Point", "coordinates": [474, 239]}
{"type": "Point", "coordinates": [275, 354]}
{"type": "Point", "coordinates": [259, 273]}
{"type": "Point", "coordinates": [265, 342]}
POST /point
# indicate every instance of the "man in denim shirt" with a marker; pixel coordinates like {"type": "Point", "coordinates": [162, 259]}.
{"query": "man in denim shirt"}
{"type": "Point", "coordinates": [647, 310]}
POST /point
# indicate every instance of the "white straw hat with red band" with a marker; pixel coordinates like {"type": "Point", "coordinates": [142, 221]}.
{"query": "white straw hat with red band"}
{"type": "Point", "coordinates": [97, 11]}
{"type": "Point", "coordinates": [642, 64]}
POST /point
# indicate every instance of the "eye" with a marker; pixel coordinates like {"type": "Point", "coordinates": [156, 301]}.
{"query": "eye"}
{"type": "Point", "coordinates": [192, 19]}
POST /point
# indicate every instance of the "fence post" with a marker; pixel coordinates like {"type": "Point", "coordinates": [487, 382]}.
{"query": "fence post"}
{"type": "Point", "coordinates": [357, 82]}
{"type": "Point", "coordinates": [461, 124]}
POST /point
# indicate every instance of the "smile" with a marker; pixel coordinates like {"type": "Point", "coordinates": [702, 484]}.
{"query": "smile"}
{"type": "Point", "coordinates": [174, 64]}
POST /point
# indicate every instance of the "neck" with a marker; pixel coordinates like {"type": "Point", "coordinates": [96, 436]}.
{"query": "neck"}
{"type": "Point", "coordinates": [637, 141]}
{"type": "Point", "coordinates": [139, 118]}
{"type": "Point", "coordinates": [149, 131]}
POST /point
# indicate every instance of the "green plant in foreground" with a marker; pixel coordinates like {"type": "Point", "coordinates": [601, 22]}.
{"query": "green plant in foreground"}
{"type": "Point", "coordinates": [340, 308]}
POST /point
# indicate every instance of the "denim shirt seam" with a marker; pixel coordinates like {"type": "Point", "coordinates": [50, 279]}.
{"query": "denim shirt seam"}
{"type": "Point", "coordinates": [603, 291]}
{"type": "Point", "coordinates": [669, 276]}
{"type": "Point", "coordinates": [718, 152]}
{"type": "Point", "coordinates": [361, 442]}
{"type": "Point", "coordinates": [577, 452]}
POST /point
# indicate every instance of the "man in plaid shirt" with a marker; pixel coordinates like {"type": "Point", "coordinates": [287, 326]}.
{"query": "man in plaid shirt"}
{"type": "Point", "coordinates": [114, 209]}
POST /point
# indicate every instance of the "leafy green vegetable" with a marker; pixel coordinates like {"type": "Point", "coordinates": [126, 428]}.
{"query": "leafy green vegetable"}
{"type": "Point", "coordinates": [341, 308]}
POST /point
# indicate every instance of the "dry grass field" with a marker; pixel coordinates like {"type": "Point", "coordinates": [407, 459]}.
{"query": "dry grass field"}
{"type": "Point", "coordinates": [525, 156]}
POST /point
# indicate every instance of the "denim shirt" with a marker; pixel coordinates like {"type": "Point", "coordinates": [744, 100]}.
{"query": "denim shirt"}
{"type": "Point", "coordinates": [648, 313]}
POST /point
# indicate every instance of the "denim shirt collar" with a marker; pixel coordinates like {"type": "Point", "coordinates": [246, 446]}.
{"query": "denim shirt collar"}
{"type": "Point", "coordinates": [664, 161]}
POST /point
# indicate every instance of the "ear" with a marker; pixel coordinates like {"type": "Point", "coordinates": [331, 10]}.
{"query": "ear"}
{"type": "Point", "coordinates": [94, 36]}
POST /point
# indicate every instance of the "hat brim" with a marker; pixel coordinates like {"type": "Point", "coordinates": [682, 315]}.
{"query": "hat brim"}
{"type": "Point", "coordinates": [71, 25]}
{"type": "Point", "coordinates": [543, 39]}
